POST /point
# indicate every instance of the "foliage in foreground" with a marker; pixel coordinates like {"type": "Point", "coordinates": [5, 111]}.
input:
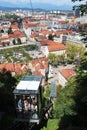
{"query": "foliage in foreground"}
{"type": "Point", "coordinates": [71, 103]}
{"type": "Point", "coordinates": [82, 7]}
{"type": "Point", "coordinates": [51, 125]}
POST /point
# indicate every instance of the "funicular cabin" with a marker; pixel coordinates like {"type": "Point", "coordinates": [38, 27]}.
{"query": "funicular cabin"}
{"type": "Point", "coordinates": [28, 99]}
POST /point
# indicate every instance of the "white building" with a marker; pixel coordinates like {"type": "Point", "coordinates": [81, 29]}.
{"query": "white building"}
{"type": "Point", "coordinates": [64, 75]}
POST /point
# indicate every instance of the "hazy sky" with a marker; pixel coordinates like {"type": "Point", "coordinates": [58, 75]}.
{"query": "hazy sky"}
{"type": "Point", "coordinates": [56, 2]}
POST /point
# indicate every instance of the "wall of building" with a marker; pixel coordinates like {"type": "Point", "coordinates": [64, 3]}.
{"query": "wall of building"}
{"type": "Point", "coordinates": [61, 79]}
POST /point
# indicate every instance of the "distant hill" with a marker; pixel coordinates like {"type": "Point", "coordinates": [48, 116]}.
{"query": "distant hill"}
{"type": "Point", "coordinates": [15, 8]}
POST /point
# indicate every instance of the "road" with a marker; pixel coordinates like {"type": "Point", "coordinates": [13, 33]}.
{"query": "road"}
{"type": "Point", "coordinates": [29, 42]}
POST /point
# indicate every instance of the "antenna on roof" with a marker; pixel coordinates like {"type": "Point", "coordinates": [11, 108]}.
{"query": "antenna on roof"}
{"type": "Point", "coordinates": [31, 6]}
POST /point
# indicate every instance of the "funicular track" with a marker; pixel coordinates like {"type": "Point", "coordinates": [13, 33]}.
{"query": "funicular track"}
{"type": "Point", "coordinates": [16, 126]}
{"type": "Point", "coordinates": [24, 126]}
{"type": "Point", "coordinates": [31, 126]}
{"type": "Point", "coordinates": [47, 111]}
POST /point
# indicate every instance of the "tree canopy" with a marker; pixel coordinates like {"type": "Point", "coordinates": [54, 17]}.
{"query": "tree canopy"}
{"type": "Point", "coordinates": [71, 103]}
{"type": "Point", "coordinates": [74, 50]}
{"type": "Point", "coordinates": [65, 102]}
{"type": "Point", "coordinates": [7, 84]}
{"type": "Point", "coordinates": [83, 11]}
{"type": "Point", "coordinates": [10, 31]}
{"type": "Point", "coordinates": [81, 7]}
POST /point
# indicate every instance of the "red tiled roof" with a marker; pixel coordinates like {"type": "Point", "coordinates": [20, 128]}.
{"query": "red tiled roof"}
{"type": "Point", "coordinates": [71, 23]}
{"type": "Point", "coordinates": [6, 26]}
{"type": "Point", "coordinates": [39, 64]}
{"type": "Point", "coordinates": [41, 38]}
{"type": "Point", "coordinates": [37, 73]}
{"type": "Point", "coordinates": [45, 32]}
{"type": "Point", "coordinates": [14, 67]}
{"type": "Point", "coordinates": [0, 43]}
{"type": "Point", "coordinates": [15, 26]}
{"type": "Point", "coordinates": [5, 42]}
{"type": "Point", "coordinates": [42, 25]}
{"type": "Point", "coordinates": [35, 34]}
{"type": "Point", "coordinates": [48, 42]}
{"type": "Point", "coordinates": [7, 66]}
{"type": "Point", "coordinates": [68, 73]}
{"type": "Point", "coordinates": [16, 33]}
{"type": "Point", "coordinates": [19, 34]}
{"type": "Point", "coordinates": [62, 21]}
{"type": "Point", "coordinates": [53, 46]}
{"type": "Point", "coordinates": [1, 27]}
{"type": "Point", "coordinates": [56, 47]}
{"type": "Point", "coordinates": [73, 17]}
{"type": "Point", "coordinates": [39, 61]}
{"type": "Point", "coordinates": [38, 36]}
{"type": "Point", "coordinates": [11, 35]}
{"type": "Point", "coordinates": [4, 37]}
{"type": "Point", "coordinates": [63, 32]}
{"type": "Point", "coordinates": [26, 24]}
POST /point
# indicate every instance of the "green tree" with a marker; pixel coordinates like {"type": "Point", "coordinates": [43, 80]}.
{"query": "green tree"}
{"type": "Point", "coordinates": [83, 10]}
{"type": "Point", "coordinates": [81, 95]}
{"type": "Point", "coordinates": [47, 92]}
{"type": "Point", "coordinates": [2, 31]}
{"type": "Point", "coordinates": [52, 58]}
{"type": "Point", "coordinates": [9, 16]}
{"type": "Point", "coordinates": [7, 84]}
{"type": "Point", "coordinates": [19, 22]}
{"type": "Point", "coordinates": [61, 58]}
{"type": "Point", "coordinates": [3, 44]}
{"type": "Point", "coordinates": [19, 41]}
{"type": "Point", "coordinates": [55, 59]}
{"type": "Point", "coordinates": [50, 37]}
{"type": "Point", "coordinates": [71, 103]}
{"type": "Point", "coordinates": [82, 7]}
{"type": "Point", "coordinates": [65, 102]}
{"type": "Point", "coordinates": [10, 31]}
{"type": "Point", "coordinates": [73, 50]}
{"type": "Point", "coordinates": [14, 41]}
{"type": "Point", "coordinates": [58, 88]}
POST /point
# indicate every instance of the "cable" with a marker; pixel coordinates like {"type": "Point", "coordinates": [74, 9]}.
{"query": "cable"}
{"type": "Point", "coordinates": [31, 6]}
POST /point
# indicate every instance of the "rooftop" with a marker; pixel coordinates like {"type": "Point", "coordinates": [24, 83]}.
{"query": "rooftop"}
{"type": "Point", "coordinates": [68, 73]}
{"type": "Point", "coordinates": [28, 85]}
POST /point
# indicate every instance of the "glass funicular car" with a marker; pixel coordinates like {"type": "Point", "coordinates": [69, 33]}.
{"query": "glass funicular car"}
{"type": "Point", "coordinates": [28, 99]}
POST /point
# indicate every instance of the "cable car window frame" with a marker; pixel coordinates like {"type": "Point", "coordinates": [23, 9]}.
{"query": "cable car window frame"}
{"type": "Point", "coordinates": [18, 93]}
